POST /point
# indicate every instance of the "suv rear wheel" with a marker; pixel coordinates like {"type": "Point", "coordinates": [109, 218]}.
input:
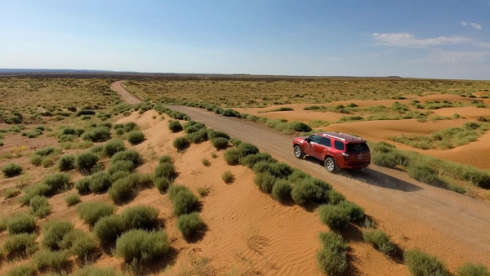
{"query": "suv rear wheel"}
{"type": "Point", "coordinates": [330, 165]}
{"type": "Point", "coordinates": [298, 152]}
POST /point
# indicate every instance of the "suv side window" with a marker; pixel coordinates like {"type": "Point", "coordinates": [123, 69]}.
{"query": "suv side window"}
{"type": "Point", "coordinates": [315, 139]}
{"type": "Point", "coordinates": [325, 142]}
{"type": "Point", "coordinates": [339, 145]}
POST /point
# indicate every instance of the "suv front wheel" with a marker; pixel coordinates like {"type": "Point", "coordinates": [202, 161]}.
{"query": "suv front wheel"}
{"type": "Point", "coordinates": [330, 165]}
{"type": "Point", "coordinates": [298, 152]}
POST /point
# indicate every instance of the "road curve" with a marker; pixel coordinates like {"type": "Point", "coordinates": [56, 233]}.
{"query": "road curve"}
{"type": "Point", "coordinates": [453, 227]}
{"type": "Point", "coordinates": [124, 93]}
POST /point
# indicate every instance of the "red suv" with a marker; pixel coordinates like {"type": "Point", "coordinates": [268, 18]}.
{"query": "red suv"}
{"type": "Point", "coordinates": [336, 150]}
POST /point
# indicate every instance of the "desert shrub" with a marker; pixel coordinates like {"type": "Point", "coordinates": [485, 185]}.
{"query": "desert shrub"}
{"type": "Point", "coordinates": [83, 186]}
{"type": "Point", "coordinates": [165, 170]}
{"type": "Point", "coordinates": [129, 126]}
{"type": "Point", "coordinates": [98, 134]}
{"type": "Point", "coordinates": [47, 162]}
{"type": "Point", "coordinates": [40, 206]}
{"type": "Point", "coordinates": [227, 177]}
{"type": "Point", "coordinates": [51, 260]}
{"type": "Point", "coordinates": [86, 161]}
{"type": "Point", "coordinates": [334, 216]}
{"type": "Point", "coordinates": [54, 231]}
{"type": "Point", "coordinates": [251, 160]}
{"type": "Point", "coordinates": [21, 223]}
{"type": "Point", "coordinates": [165, 159]}
{"type": "Point", "coordinates": [46, 151]}
{"type": "Point", "coordinates": [66, 163]}
{"type": "Point", "coordinates": [39, 189]}
{"type": "Point", "coordinates": [190, 224]}
{"type": "Point", "coordinates": [181, 143]}
{"type": "Point", "coordinates": [470, 269]}
{"type": "Point", "coordinates": [135, 137]}
{"type": "Point", "coordinates": [96, 271]}
{"type": "Point", "coordinates": [141, 246]}
{"type": "Point", "coordinates": [310, 189]}
{"type": "Point", "coordinates": [333, 242]}
{"type": "Point", "coordinates": [100, 182]}
{"type": "Point", "coordinates": [219, 143]}
{"type": "Point", "coordinates": [109, 228]}
{"type": "Point", "coordinates": [91, 212]}
{"type": "Point", "coordinates": [99, 149]}
{"type": "Point", "coordinates": [119, 175]}
{"type": "Point", "coordinates": [140, 217]}
{"type": "Point", "coordinates": [121, 166]}
{"type": "Point", "coordinates": [114, 146]}
{"type": "Point", "coordinates": [335, 197]}
{"type": "Point", "coordinates": [123, 189]}
{"type": "Point", "coordinates": [175, 126]}
{"type": "Point", "coordinates": [265, 182]}
{"type": "Point", "coordinates": [20, 243]}
{"type": "Point", "coordinates": [380, 240]}
{"type": "Point", "coordinates": [128, 155]}
{"type": "Point", "coordinates": [22, 270]}
{"type": "Point", "coordinates": [420, 263]}
{"type": "Point", "coordinates": [85, 112]}
{"type": "Point", "coordinates": [11, 170]}
{"type": "Point", "coordinates": [356, 213]}
{"type": "Point", "coordinates": [162, 183]}
{"type": "Point", "coordinates": [183, 200]}
{"type": "Point", "coordinates": [212, 134]}
{"type": "Point", "coordinates": [11, 192]}
{"type": "Point", "coordinates": [390, 159]}
{"type": "Point", "coordinates": [205, 162]}
{"type": "Point", "coordinates": [232, 156]}
{"type": "Point", "coordinates": [36, 159]}
{"type": "Point", "coordinates": [301, 127]}
{"type": "Point", "coordinates": [281, 190]}
{"type": "Point", "coordinates": [423, 173]}
{"type": "Point", "coordinates": [72, 199]}
{"type": "Point", "coordinates": [246, 149]}
{"type": "Point", "coordinates": [332, 263]}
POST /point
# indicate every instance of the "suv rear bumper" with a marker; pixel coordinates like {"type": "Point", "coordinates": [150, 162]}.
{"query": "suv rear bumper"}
{"type": "Point", "coordinates": [356, 166]}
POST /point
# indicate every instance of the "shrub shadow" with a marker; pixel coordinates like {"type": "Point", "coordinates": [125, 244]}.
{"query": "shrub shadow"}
{"type": "Point", "coordinates": [379, 179]}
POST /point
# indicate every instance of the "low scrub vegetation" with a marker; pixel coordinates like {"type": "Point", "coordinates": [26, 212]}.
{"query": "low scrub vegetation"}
{"type": "Point", "coordinates": [175, 126]}
{"type": "Point", "coordinates": [114, 146]}
{"type": "Point", "coordinates": [380, 240]}
{"type": "Point", "coordinates": [334, 216]}
{"type": "Point", "coordinates": [91, 212]}
{"type": "Point", "coordinates": [183, 200]}
{"type": "Point", "coordinates": [181, 143]}
{"type": "Point", "coordinates": [21, 223]}
{"type": "Point", "coordinates": [140, 217]}
{"type": "Point", "coordinates": [86, 161]}
{"type": "Point", "coordinates": [23, 243]}
{"type": "Point", "coordinates": [332, 258]}
{"type": "Point", "coordinates": [72, 199]}
{"type": "Point", "coordinates": [138, 246]}
{"type": "Point", "coordinates": [40, 206]}
{"type": "Point", "coordinates": [11, 170]}
{"type": "Point", "coordinates": [470, 269]}
{"type": "Point", "coordinates": [109, 228]}
{"type": "Point", "coordinates": [135, 137]}
{"type": "Point", "coordinates": [190, 224]}
{"type": "Point", "coordinates": [66, 163]}
{"type": "Point", "coordinates": [45, 260]}
{"type": "Point", "coordinates": [100, 182]}
{"type": "Point", "coordinates": [228, 177]}
{"type": "Point", "coordinates": [420, 263]}
{"type": "Point", "coordinates": [54, 232]}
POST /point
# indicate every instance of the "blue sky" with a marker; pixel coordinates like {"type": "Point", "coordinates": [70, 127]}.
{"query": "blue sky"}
{"type": "Point", "coordinates": [410, 38]}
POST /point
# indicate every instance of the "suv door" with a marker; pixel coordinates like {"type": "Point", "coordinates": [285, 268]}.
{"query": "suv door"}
{"type": "Point", "coordinates": [313, 147]}
{"type": "Point", "coordinates": [325, 145]}
{"type": "Point", "coordinates": [339, 147]}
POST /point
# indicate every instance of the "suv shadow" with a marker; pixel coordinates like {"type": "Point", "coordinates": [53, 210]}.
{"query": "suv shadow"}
{"type": "Point", "coordinates": [373, 177]}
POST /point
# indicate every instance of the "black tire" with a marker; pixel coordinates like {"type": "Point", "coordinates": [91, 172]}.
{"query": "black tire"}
{"type": "Point", "coordinates": [298, 152]}
{"type": "Point", "coordinates": [330, 165]}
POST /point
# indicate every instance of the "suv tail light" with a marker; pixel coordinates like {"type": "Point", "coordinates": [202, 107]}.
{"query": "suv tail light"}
{"type": "Point", "coordinates": [345, 155]}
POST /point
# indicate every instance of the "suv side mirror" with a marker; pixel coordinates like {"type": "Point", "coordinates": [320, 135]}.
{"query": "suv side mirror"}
{"type": "Point", "coordinates": [308, 140]}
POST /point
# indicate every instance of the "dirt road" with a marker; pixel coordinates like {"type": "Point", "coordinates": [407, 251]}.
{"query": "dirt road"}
{"type": "Point", "coordinates": [124, 93]}
{"type": "Point", "coordinates": [453, 227]}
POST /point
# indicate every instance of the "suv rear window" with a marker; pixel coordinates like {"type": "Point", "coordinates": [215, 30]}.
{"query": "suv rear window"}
{"type": "Point", "coordinates": [358, 147]}
{"type": "Point", "coordinates": [339, 145]}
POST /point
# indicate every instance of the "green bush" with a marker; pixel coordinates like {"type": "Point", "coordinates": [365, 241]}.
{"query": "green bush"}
{"type": "Point", "coordinates": [86, 161]}
{"type": "Point", "coordinates": [22, 270]}
{"type": "Point", "coordinates": [58, 182]}
{"type": "Point", "coordinates": [51, 260]}
{"type": "Point", "coordinates": [334, 216]}
{"type": "Point", "coordinates": [47, 162]}
{"type": "Point", "coordinates": [123, 189]}
{"type": "Point", "coordinates": [181, 143]}
{"type": "Point", "coordinates": [212, 134]}
{"type": "Point", "coordinates": [335, 197]}
{"type": "Point", "coordinates": [420, 263]}
{"type": "Point", "coordinates": [121, 166]}
{"type": "Point", "coordinates": [79, 243]}
{"type": "Point", "coordinates": [141, 246]}
{"type": "Point", "coordinates": [228, 177]}
{"type": "Point", "coordinates": [40, 206]}
{"type": "Point", "coordinates": [310, 189]}
{"type": "Point", "coordinates": [162, 183]}
{"type": "Point", "coordinates": [282, 190]}
{"type": "Point", "coordinates": [332, 263]}
{"type": "Point", "coordinates": [470, 269]}
{"type": "Point", "coordinates": [219, 143]}
{"type": "Point", "coordinates": [356, 213]}
{"type": "Point", "coordinates": [114, 146]}
{"type": "Point", "coordinates": [20, 243]}
{"type": "Point", "coordinates": [135, 137]}
{"type": "Point", "coordinates": [36, 159]}
{"type": "Point", "coordinates": [140, 217]}
{"type": "Point", "coordinates": [333, 242]}
{"type": "Point", "coordinates": [165, 159]}
{"type": "Point", "coordinates": [39, 189]}
{"type": "Point", "coordinates": [11, 192]}
{"type": "Point", "coordinates": [109, 228]}
{"type": "Point", "coordinates": [46, 151]}
{"type": "Point", "coordinates": [100, 182]}
{"type": "Point", "coordinates": [165, 170]}
{"type": "Point", "coordinates": [190, 224]}
{"type": "Point", "coordinates": [175, 126]}
{"type": "Point", "coordinates": [54, 231]}
{"type": "Point", "coordinates": [423, 173]}
{"type": "Point", "coordinates": [265, 182]}
{"type": "Point", "coordinates": [183, 200]}
{"type": "Point", "coordinates": [91, 212]}
{"type": "Point", "coordinates": [72, 199]}
{"type": "Point", "coordinates": [235, 142]}
{"type": "Point", "coordinates": [247, 149]}
{"type": "Point", "coordinates": [21, 223]}
{"type": "Point", "coordinates": [380, 240]}
{"type": "Point", "coordinates": [251, 160]}
{"type": "Point", "coordinates": [66, 163]}
{"type": "Point", "coordinates": [11, 170]}
{"type": "Point", "coordinates": [96, 271]}
{"type": "Point", "coordinates": [98, 134]}
{"type": "Point", "coordinates": [83, 185]}
{"type": "Point", "coordinates": [128, 155]}
{"type": "Point", "coordinates": [119, 175]}
{"type": "Point", "coordinates": [232, 156]}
